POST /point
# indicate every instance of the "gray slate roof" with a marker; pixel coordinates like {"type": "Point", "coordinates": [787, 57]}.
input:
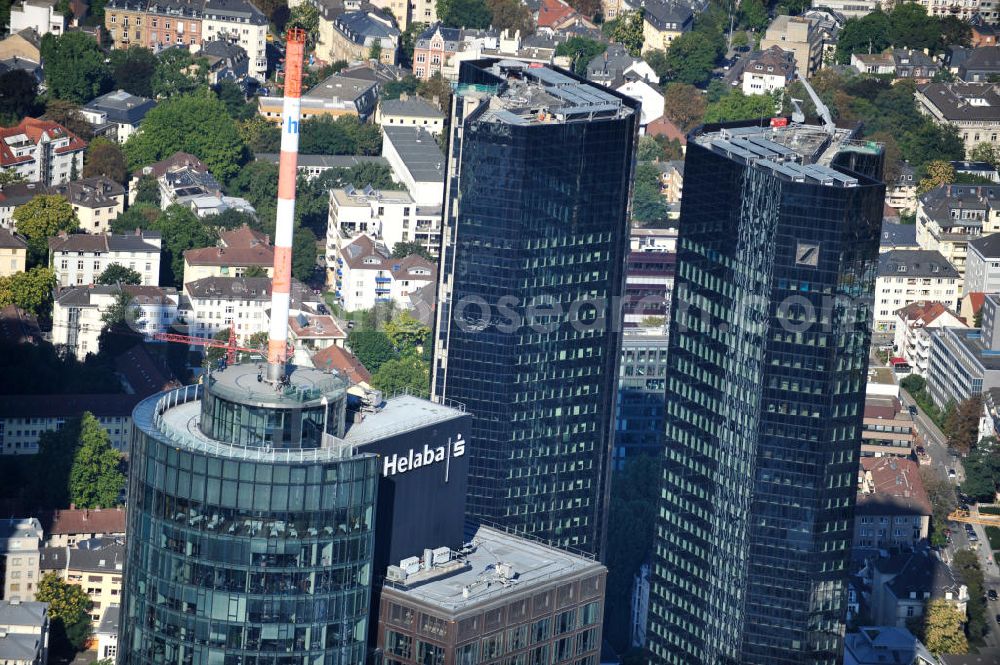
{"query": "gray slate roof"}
{"type": "Point", "coordinates": [359, 26]}
{"type": "Point", "coordinates": [22, 613]}
{"type": "Point", "coordinates": [122, 107]}
{"type": "Point", "coordinates": [419, 151]}
{"type": "Point", "coordinates": [894, 235]}
{"type": "Point", "coordinates": [988, 246]}
{"type": "Point", "coordinates": [915, 263]}
{"type": "Point", "coordinates": [109, 620]}
{"type": "Point", "coordinates": [239, 9]}
{"type": "Point", "coordinates": [951, 99]}
{"type": "Point", "coordinates": [16, 647]}
{"type": "Point", "coordinates": [411, 106]}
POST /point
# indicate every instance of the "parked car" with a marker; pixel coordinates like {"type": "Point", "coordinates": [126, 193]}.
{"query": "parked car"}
{"type": "Point", "coordinates": [951, 474]}
{"type": "Point", "coordinates": [913, 410]}
{"type": "Point", "coordinates": [992, 594]}
{"type": "Point", "coordinates": [998, 619]}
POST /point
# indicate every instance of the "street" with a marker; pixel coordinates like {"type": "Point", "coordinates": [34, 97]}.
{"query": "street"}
{"type": "Point", "coordinates": [935, 444]}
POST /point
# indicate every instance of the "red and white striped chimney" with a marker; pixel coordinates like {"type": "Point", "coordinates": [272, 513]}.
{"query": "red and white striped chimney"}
{"type": "Point", "coordinates": [281, 286]}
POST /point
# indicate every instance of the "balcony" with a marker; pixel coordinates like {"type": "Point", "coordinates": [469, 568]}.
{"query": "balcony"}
{"type": "Point", "coordinates": [383, 280]}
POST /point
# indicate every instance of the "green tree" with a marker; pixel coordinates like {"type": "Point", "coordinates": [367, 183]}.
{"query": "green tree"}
{"type": "Point", "coordinates": [69, 604]}
{"type": "Point", "coordinates": [982, 474]}
{"type": "Point", "coordinates": [649, 149]}
{"type": "Point", "coordinates": [409, 373]}
{"type": "Point", "coordinates": [375, 51]}
{"type": "Point", "coordinates": [985, 152]}
{"type": "Point", "coordinates": [105, 157]}
{"type": "Point", "coordinates": [116, 273]}
{"type": "Point", "coordinates": [464, 13]}
{"type": "Point", "coordinates": [684, 105]}
{"type": "Point", "coordinates": [511, 15]}
{"type": "Point", "coordinates": [339, 136]}
{"type": "Point", "coordinates": [581, 50]}
{"type": "Point", "coordinates": [868, 34]}
{"type": "Point", "coordinates": [147, 190]}
{"type": "Point", "coordinates": [407, 41]}
{"type": "Point", "coordinates": [631, 520]}
{"type": "Point", "coordinates": [943, 628]}
{"type": "Point", "coordinates": [937, 173]}
{"type": "Point", "coordinates": [753, 15]}
{"type": "Point", "coordinates": [962, 425]}
{"type": "Point", "coordinates": [941, 494]}
{"type": "Point", "coordinates": [403, 249]}
{"type": "Point", "coordinates": [737, 106]}
{"type": "Point", "coordinates": [954, 32]}
{"type": "Point", "coordinates": [20, 90]}
{"type": "Point", "coordinates": [67, 114]}
{"type": "Point", "coordinates": [231, 94]}
{"type": "Point", "coordinates": [30, 290]}
{"type": "Point", "coordinates": [372, 347]}
{"type": "Point", "coordinates": [215, 353]}
{"type": "Point", "coordinates": [407, 333]}
{"type": "Point", "coordinates": [260, 135]}
{"type": "Point", "coordinates": [178, 72]}
{"type": "Point", "coordinates": [96, 479]}
{"type": "Point", "coordinates": [691, 57]}
{"type": "Point", "coordinates": [181, 230]}
{"type": "Point", "coordinates": [10, 178]}
{"type": "Point", "coordinates": [41, 218]}
{"type": "Point", "coordinates": [198, 124]}
{"type": "Point", "coordinates": [74, 67]}
{"type": "Point", "coordinates": [626, 30]}
{"type": "Point", "coordinates": [648, 204]}
{"type": "Point", "coordinates": [122, 313]}
{"type": "Point", "coordinates": [303, 254]}
{"type": "Point", "coordinates": [132, 70]}
{"type": "Point", "coordinates": [909, 26]}
{"type": "Point", "coordinates": [436, 86]}
{"type": "Point", "coordinates": [394, 89]}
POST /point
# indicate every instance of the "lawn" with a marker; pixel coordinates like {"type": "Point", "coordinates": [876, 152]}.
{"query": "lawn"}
{"type": "Point", "coordinates": [989, 510]}
{"type": "Point", "coordinates": [993, 533]}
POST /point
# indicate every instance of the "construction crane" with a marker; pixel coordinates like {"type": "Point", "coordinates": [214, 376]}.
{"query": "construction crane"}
{"type": "Point", "coordinates": [821, 109]}
{"type": "Point", "coordinates": [229, 345]}
{"type": "Point", "coordinates": [968, 518]}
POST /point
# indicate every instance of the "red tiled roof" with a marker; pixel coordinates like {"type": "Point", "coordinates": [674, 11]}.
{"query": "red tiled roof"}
{"type": "Point", "coordinates": [342, 360]}
{"type": "Point", "coordinates": [976, 300]}
{"type": "Point", "coordinates": [34, 129]}
{"type": "Point", "coordinates": [897, 487]}
{"type": "Point", "coordinates": [663, 127]}
{"type": "Point", "coordinates": [243, 237]}
{"type": "Point", "coordinates": [239, 247]}
{"type": "Point", "coordinates": [317, 326]}
{"type": "Point", "coordinates": [553, 12]}
{"type": "Point", "coordinates": [923, 312]}
{"type": "Point", "coordinates": [882, 408]}
{"type": "Point", "coordinates": [71, 521]}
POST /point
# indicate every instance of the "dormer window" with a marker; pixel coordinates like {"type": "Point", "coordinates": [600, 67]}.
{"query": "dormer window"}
{"type": "Point", "coordinates": [900, 268]}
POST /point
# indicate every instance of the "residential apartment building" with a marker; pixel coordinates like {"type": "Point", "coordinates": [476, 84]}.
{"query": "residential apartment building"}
{"type": "Point", "coordinates": [663, 21]}
{"type": "Point", "coordinates": [168, 23]}
{"type": "Point", "coordinates": [41, 151]}
{"type": "Point", "coordinates": [468, 610]}
{"type": "Point", "coordinates": [915, 325]}
{"type": "Point", "coordinates": [976, 65]}
{"type": "Point", "coordinates": [903, 584]}
{"type": "Point", "coordinates": [964, 362]}
{"type": "Point", "coordinates": [907, 276]}
{"type": "Point", "coordinates": [849, 8]}
{"type": "Point", "coordinates": [887, 429]}
{"type": "Point", "coordinates": [989, 421]}
{"type": "Point", "coordinates": [213, 304]}
{"type": "Point", "coordinates": [20, 545]}
{"type": "Point", "coordinates": [875, 645]}
{"type": "Point", "coordinates": [365, 274]}
{"type": "Point", "coordinates": [356, 34]}
{"type": "Point", "coordinates": [897, 236]}
{"type": "Point", "coordinates": [79, 259]}
{"type": "Point", "coordinates": [117, 114]}
{"type": "Point", "coordinates": [949, 216]}
{"type": "Point", "coordinates": [523, 171]}
{"type": "Point", "coordinates": [901, 194]}
{"type": "Point", "coordinates": [237, 252]}
{"type": "Point", "coordinates": [107, 632]}
{"type": "Point", "coordinates": [765, 72]}
{"type": "Point", "coordinates": [24, 633]}
{"type": "Point", "coordinates": [24, 418]}
{"type": "Point", "coordinates": [78, 311]}
{"type": "Point", "coordinates": [69, 526]}
{"type": "Point", "coordinates": [897, 63]}
{"type": "Point", "coordinates": [799, 35]}
{"type": "Point", "coordinates": [892, 509]}
{"type": "Point", "coordinates": [95, 566]}
{"type": "Point", "coordinates": [388, 216]}
{"type": "Point", "coordinates": [751, 404]}
{"type": "Point", "coordinates": [177, 161]}
{"type": "Point", "coordinates": [974, 109]}
{"type": "Point", "coordinates": [38, 15]}
{"type": "Point", "coordinates": [97, 201]}
{"type": "Point", "coordinates": [13, 253]}
{"type": "Point", "coordinates": [312, 166]}
{"type": "Point", "coordinates": [982, 265]}
{"type": "Point", "coordinates": [123, 20]}
{"type": "Point", "coordinates": [417, 162]}
{"type": "Point", "coordinates": [410, 111]}
{"type": "Point", "coordinates": [987, 10]}
{"type": "Point", "coordinates": [239, 22]}
{"type": "Point", "coordinates": [649, 285]}
{"type": "Point", "coordinates": [640, 411]}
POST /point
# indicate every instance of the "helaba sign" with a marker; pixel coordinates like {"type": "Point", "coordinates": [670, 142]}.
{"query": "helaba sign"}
{"type": "Point", "coordinates": [402, 462]}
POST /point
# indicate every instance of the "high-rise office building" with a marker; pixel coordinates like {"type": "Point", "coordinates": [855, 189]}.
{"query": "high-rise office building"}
{"type": "Point", "coordinates": [532, 272]}
{"type": "Point", "coordinates": [259, 514]}
{"type": "Point", "coordinates": [767, 358]}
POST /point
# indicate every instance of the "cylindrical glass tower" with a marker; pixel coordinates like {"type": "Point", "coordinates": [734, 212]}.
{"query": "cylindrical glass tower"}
{"type": "Point", "coordinates": [250, 526]}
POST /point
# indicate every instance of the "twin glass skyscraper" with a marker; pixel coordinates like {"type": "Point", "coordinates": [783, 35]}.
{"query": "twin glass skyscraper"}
{"type": "Point", "coordinates": [535, 239]}
{"type": "Point", "coordinates": [767, 363]}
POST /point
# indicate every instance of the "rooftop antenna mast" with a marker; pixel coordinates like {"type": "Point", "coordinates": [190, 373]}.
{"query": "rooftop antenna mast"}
{"type": "Point", "coordinates": [281, 286]}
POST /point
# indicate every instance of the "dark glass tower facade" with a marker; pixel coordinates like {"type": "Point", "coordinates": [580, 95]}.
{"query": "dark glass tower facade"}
{"type": "Point", "coordinates": [767, 360]}
{"type": "Point", "coordinates": [250, 530]}
{"type": "Point", "coordinates": [527, 337]}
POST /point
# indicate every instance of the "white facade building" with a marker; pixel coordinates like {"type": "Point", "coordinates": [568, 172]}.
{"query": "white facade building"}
{"type": "Point", "coordinates": [39, 15]}
{"type": "Point", "coordinates": [79, 259]}
{"type": "Point", "coordinates": [24, 633]}
{"type": "Point", "coordinates": [240, 22]}
{"type": "Point", "coordinates": [41, 151]}
{"type": "Point", "coordinates": [650, 98]}
{"type": "Point", "coordinates": [213, 304]}
{"type": "Point", "coordinates": [907, 276]}
{"type": "Point", "coordinates": [77, 314]}
{"type": "Point", "coordinates": [982, 265]}
{"type": "Point", "coordinates": [366, 275]}
{"type": "Point", "coordinates": [388, 216]}
{"type": "Point", "coordinates": [914, 327]}
{"type": "Point", "coordinates": [20, 545]}
{"type": "Point", "coordinates": [417, 161]}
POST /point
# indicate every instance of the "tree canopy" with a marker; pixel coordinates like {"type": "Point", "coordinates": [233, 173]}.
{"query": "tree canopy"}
{"type": "Point", "coordinates": [178, 72]}
{"type": "Point", "coordinates": [403, 249]}
{"type": "Point", "coordinates": [962, 424]}
{"type": "Point", "coordinates": [116, 273]}
{"type": "Point", "coordinates": [737, 106]}
{"type": "Point", "coordinates": [30, 290]}
{"type": "Point", "coordinates": [198, 124]}
{"type": "Point", "coordinates": [69, 606]}
{"type": "Point", "coordinates": [74, 67]}
{"type": "Point", "coordinates": [691, 57]}
{"type": "Point", "coordinates": [684, 105]}
{"type": "Point", "coordinates": [464, 13]}
{"type": "Point", "coordinates": [105, 157]}
{"type": "Point", "coordinates": [41, 218]}
{"type": "Point", "coordinates": [626, 29]}
{"type": "Point", "coordinates": [96, 479]}
{"type": "Point", "coordinates": [372, 347]}
{"type": "Point", "coordinates": [581, 50]}
{"type": "Point", "coordinates": [132, 70]}
{"type": "Point", "coordinates": [648, 204]}
{"type": "Point", "coordinates": [18, 99]}
{"type": "Point", "coordinates": [180, 229]}
{"type": "Point", "coordinates": [407, 373]}
{"type": "Point", "coordinates": [511, 15]}
{"type": "Point", "coordinates": [406, 333]}
{"type": "Point", "coordinates": [344, 135]}
{"type": "Point", "coordinates": [907, 25]}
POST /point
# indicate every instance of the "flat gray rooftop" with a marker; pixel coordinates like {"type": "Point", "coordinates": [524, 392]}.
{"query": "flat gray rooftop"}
{"type": "Point", "coordinates": [305, 384]}
{"type": "Point", "coordinates": [17, 647]}
{"type": "Point", "coordinates": [800, 153]}
{"type": "Point", "coordinates": [535, 567]}
{"type": "Point", "coordinates": [419, 151]}
{"type": "Point", "coordinates": [399, 414]}
{"type": "Point", "coordinates": [22, 613]}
